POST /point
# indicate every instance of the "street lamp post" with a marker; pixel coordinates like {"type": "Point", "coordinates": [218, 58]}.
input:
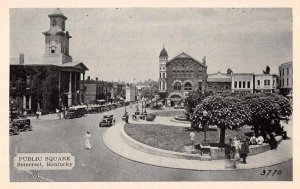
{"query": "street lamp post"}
{"type": "Point", "coordinates": [142, 107]}
{"type": "Point", "coordinates": [204, 123]}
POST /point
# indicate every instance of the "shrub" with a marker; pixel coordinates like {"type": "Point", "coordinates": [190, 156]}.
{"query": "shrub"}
{"type": "Point", "coordinates": [150, 117]}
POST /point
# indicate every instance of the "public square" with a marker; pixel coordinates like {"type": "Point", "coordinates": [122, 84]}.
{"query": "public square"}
{"type": "Point", "coordinates": [227, 85]}
{"type": "Point", "coordinates": [51, 134]}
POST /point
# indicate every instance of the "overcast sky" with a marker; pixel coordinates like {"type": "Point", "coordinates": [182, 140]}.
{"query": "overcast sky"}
{"type": "Point", "coordinates": [125, 43]}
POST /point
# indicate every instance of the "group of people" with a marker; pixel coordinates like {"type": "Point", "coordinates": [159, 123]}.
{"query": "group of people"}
{"type": "Point", "coordinates": [61, 112]}
{"type": "Point", "coordinates": [269, 138]}
{"type": "Point", "coordinates": [238, 149]}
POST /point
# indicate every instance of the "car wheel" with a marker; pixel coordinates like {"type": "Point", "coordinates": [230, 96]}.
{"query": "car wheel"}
{"type": "Point", "coordinates": [27, 129]}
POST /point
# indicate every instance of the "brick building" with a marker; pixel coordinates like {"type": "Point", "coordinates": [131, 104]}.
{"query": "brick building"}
{"type": "Point", "coordinates": [179, 76]}
{"type": "Point", "coordinates": [97, 91]}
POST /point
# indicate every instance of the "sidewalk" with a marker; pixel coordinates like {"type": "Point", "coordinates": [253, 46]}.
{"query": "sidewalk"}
{"type": "Point", "coordinates": [114, 142]}
{"type": "Point", "coordinates": [45, 117]}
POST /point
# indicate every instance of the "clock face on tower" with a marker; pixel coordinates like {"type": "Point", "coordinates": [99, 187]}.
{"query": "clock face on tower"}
{"type": "Point", "coordinates": [53, 22]}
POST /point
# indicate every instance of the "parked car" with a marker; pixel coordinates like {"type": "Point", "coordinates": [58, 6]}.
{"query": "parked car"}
{"type": "Point", "coordinates": [107, 121]}
{"type": "Point", "coordinates": [74, 113]}
{"type": "Point", "coordinates": [22, 124]}
{"type": "Point", "coordinates": [13, 130]}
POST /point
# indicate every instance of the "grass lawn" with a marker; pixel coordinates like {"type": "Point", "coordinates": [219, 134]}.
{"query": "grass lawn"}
{"type": "Point", "coordinates": [175, 138]}
{"type": "Point", "coordinates": [169, 113]}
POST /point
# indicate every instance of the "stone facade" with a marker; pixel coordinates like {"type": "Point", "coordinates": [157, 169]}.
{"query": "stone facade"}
{"type": "Point", "coordinates": [184, 74]}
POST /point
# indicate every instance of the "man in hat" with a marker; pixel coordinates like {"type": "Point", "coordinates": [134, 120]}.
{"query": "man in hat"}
{"type": "Point", "coordinates": [244, 150]}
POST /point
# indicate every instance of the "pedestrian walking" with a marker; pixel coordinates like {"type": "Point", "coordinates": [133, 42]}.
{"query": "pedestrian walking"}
{"type": "Point", "coordinates": [37, 114]}
{"type": "Point", "coordinates": [192, 135]}
{"type": "Point", "coordinates": [244, 150]}
{"type": "Point", "coordinates": [58, 113]}
{"type": "Point", "coordinates": [237, 146]}
{"type": "Point", "coordinates": [63, 109]}
{"type": "Point", "coordinates": [232, 149]}
{"type": "Point", "coordinates": [232, 153]}
{"type": "Point", "coordinates": [87, 140]}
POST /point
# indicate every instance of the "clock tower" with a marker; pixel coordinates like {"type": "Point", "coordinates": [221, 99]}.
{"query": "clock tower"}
{"type": "Point", "coordinates": [57, 40]}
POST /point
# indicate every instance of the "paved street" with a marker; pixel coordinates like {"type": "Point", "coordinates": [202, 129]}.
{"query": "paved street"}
{"type": "Point", "coordinates": [100, 164]}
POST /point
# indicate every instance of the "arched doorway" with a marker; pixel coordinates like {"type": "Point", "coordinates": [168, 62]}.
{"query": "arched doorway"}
{"type": "Point", "coordinates": [175, 99]}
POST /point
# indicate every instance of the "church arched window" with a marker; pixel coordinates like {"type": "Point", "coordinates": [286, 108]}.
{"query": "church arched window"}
{"type": "Point", "coordinates": [187, 86]}
{"type": "Point", "coordinates": [177, 86]}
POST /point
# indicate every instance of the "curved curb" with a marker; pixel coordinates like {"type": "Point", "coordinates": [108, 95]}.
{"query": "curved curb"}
{"type": "Point", "coordinates": [216, 153]}
{"type": "Point", "coordinates": [113, 142]}
{"type": "Point", "coordinates": [179, 121]}
{"type": "Point", "coordinates": [156, 151]}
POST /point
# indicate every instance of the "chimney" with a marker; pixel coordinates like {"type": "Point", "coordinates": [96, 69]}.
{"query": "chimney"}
{"type": "Point", "coordinates": [21, 59]}
{"type": "Point", "coordinates": [88, 78]}
{"type": "Point", "coordinates": [96, 78]}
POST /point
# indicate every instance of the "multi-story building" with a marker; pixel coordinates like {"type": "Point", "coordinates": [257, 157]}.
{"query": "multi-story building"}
{"type": "Point", "coordinates": [219, 82]}
{"type": "Point", "coordinates": [52, 81]}
{"type": "Point", "coordinates": [286, 78]}
{"type": "Point", "coordinates": [97, 91]}
{"type": "Point", "coordinates": [242, 82]}
{"type": "Point", "coordinates": [265, 83]}
{"type": "Point", "coordinates": [179, 76]}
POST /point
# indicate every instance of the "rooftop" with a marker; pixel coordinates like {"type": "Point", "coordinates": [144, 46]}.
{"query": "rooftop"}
{"type": "Point", "coordinates": [163, 53]}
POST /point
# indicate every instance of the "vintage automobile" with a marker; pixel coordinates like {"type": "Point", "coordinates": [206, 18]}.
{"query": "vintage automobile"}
{"type": "Point", "coordinates": [13, 130]}
{"type": "Point", "coordinates": [75, 113]}
{"type": "Point", "coordinates": [22, 124]}
{"type": "Point", "coordinates": [107, 121]}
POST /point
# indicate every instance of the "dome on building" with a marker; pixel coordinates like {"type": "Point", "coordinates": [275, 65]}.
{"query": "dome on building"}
{"type": "Point", "coordinates": [57, 12]}
{"type": "Point", "coordinates": [163, 53]}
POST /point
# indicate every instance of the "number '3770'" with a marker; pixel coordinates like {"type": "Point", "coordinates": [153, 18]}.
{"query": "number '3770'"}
{"type": "Point", "coordinates": [271, 172]}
